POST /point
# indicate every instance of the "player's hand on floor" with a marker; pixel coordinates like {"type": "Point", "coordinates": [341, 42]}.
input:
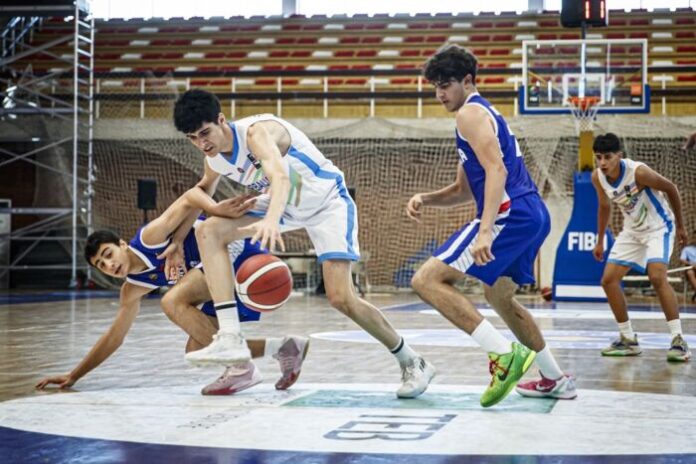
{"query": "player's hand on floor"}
{"type": "Point", "coordinates": [175, 262]}
{"type": "Point", "coordinates": [63, 381]}
{"type": "Point", "coordinates": [235, 207]}
{"type": "Point", "coordinates": [598, 251]}
{"type": "Point", "coordinates": [413, 208]}
{"type": "Point", "coordinates": [267, 233]}
{"type": "Point", "coordinates": [481, 252]}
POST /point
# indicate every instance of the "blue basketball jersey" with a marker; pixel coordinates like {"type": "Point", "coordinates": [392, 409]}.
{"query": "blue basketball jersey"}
{"type": "Point", "coordinates": [518, 182]}
{"type": "Point", "coordinates": [153, 277]}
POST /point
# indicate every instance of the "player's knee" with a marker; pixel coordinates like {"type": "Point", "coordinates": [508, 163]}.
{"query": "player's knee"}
{"type": "Point", "coordinates": [658, 279]}
{"type": "Point", "coordinates": [422, 279]}
{"type": "Point", "coordinates": [341, 299]}
{"type": "Point", "coordinates": [207, 232]}
{"type": "Point", "coordinates": [169, 304]}
{"type": "Point", "coordinates": [609, 280]}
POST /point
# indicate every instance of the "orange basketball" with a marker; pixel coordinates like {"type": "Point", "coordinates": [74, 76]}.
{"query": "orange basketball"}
{"type": "Point", "coordinates": [263, 283]}
{"type": "Point", "coordinates": [547, 293]}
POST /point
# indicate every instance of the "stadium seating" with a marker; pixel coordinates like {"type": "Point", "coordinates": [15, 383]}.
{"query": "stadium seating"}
{"type": "Point", "coordinates": [320, 43]}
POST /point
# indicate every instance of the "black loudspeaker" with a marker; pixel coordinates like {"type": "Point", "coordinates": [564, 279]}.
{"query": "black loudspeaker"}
{"type": "Point", "coordinates": [147, 194]}
{"type": "Point", "coordinates": [591, 12]}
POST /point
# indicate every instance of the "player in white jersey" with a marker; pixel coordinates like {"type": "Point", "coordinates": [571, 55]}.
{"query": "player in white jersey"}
{"type": "Point", "coordinates": [299, 188]}
{"type": "Point", "coordinates": [652, 214]}
{"type": "Point", "coordinates": [186, 303]}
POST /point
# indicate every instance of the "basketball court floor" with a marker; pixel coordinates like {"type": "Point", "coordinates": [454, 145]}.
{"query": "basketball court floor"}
{"type": "Point", "coordinates": [143, 404]}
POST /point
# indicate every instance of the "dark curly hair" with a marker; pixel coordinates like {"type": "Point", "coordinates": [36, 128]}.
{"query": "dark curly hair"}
{"type": "Point", "coordinates": [450, 62]}
{"type": "Point", "coordinates": [97, 239]}
{"type": "Point", "coordinates": [194, 108]}
{"type": "Point", "coordinates": [607, 143]}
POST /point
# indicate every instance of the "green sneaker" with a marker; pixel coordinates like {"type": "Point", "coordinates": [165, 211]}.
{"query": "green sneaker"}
{"type": "Point", "coordinates": [679, 350]}
{"type": "Point", "coordinates": [507, 369]}
{"type": "Point", "coordinates": [623, 346]}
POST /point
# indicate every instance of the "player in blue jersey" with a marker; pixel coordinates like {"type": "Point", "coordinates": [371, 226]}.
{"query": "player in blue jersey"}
{"type": "Point", "coordinates": [143, 269]}
{"type": "Point", "coordinates": [499, 246]}
{"type": "Point", "coordinates": [299, 189]}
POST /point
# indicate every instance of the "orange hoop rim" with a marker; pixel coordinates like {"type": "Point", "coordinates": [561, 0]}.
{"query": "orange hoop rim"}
{"type": "Point", "coordinates": [584, 103]}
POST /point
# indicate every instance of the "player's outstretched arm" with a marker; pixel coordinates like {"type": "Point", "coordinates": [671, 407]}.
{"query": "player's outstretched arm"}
{"type": "Point", "coordinates": [646, 177]}
{"type": "Point", "coordinates": [454, 194]}
{"type": "Point", "coordinates": [476, 126]}
{"type": "Point", "coordinates": [603, 215]}
{"type": "Point", "coordinates": [268, 140]}
{"type": "Point", "coordinates": [109, 342]}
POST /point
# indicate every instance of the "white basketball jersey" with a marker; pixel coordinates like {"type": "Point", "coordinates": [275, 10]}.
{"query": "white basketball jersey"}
{"type": "Point", "coordinates": [643, 210]}
{"type": "Point", "coordinates": [313, 178]}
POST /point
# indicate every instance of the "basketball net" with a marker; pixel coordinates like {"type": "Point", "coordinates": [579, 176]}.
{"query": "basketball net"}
{"type": "Point", "coordinates": [584, 110]}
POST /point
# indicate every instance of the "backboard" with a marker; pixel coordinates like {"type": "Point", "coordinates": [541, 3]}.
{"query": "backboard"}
{"type": "Point", "coordinates": [613, 70]}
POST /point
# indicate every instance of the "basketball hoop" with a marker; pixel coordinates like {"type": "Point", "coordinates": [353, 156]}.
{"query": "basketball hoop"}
{"type": "Point", "coordinates": [584, 111]}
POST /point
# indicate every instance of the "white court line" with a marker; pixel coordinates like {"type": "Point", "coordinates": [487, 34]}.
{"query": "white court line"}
{"type": "Point", "coordinates": [578, 314]}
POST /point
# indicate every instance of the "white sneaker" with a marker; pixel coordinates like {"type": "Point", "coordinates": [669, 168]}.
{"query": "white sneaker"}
{"type": "Point", "coordinates": [415, 377]}
{"type": "Point", "coordinates": [236, 378]}
{"type": "Point", "coordinates": [291, 355]}
{"type": "Point", "coordinates": [226, 348]}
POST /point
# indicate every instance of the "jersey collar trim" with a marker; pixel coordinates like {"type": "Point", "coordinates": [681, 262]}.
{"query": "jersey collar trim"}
{"type": "Point", "coordinates": [621, 175]}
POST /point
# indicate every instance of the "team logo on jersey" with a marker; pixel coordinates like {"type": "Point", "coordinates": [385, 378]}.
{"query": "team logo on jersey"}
{"type": "Point", "coordinates": [152, 277]}
{"type": "Point", "coordinates": [240, 170]}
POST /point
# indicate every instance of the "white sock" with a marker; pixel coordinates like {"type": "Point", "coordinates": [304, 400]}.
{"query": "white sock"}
{"type": "Point", "coordinates": [626, 330]}
{"type": "Point", "coordinates": [227, 317]}
{"type": "Point", "coordinates": [547, 364]}
{"type": "Point", "coordinates": [674, 327]}
{"type": "Point", "coordinates": [404, 353]}
{"type": "Point", "coordinates": [490, 339]}
{"type": "Point", "coordinates": [272, 346]}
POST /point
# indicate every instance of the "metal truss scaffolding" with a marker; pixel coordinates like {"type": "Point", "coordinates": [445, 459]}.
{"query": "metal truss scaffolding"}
{"type": "Point", "coordinates": [54, 112]}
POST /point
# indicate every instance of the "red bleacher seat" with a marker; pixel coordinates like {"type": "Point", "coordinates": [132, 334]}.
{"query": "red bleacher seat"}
{"type": "Point", "coordinates": [480, 38]}
{"type": "Point", "coordinates": [344, 53]}
{"type": "Point", "coordinates": [686, 49]}
{"type": "Point", "coordinates": [685, 35]}
{"type": "Point", "coordinates": [682, 21]}
{"type": "Point", "coordinates": [301, 54]}
{"type": "Point", "coordinates": [418, 25]}
{"type": "Point", "coordinates": [307, 40]}
{"type": "Point", "coordinates": [279, 54]}
{"type": "Point", "coordinates": [284, 40]}
{"type": "Point", "coordinates": [494, 80]}
{"type": "Point", "coordinates": [372, 39]}
{"type": "Point", "coordinates": [350, 40]}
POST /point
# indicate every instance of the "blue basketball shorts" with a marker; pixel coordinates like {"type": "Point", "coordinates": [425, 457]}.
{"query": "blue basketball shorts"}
{"type": "Point", "coordinates": [517, 236]}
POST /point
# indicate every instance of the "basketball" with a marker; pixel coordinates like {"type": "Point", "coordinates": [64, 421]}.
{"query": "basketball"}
{"type": "Point", "coordinates": [263, 283]}
{"type": "Point", "coordinates": [547, 293]}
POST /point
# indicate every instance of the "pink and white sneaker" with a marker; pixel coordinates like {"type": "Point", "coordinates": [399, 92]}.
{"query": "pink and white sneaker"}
{"type": "Point", "coordinates": [291, 355]}
{"type": "Point", "coordinates": [563, 388]}
{"type": "Point", "coordinates": [236, 378]}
